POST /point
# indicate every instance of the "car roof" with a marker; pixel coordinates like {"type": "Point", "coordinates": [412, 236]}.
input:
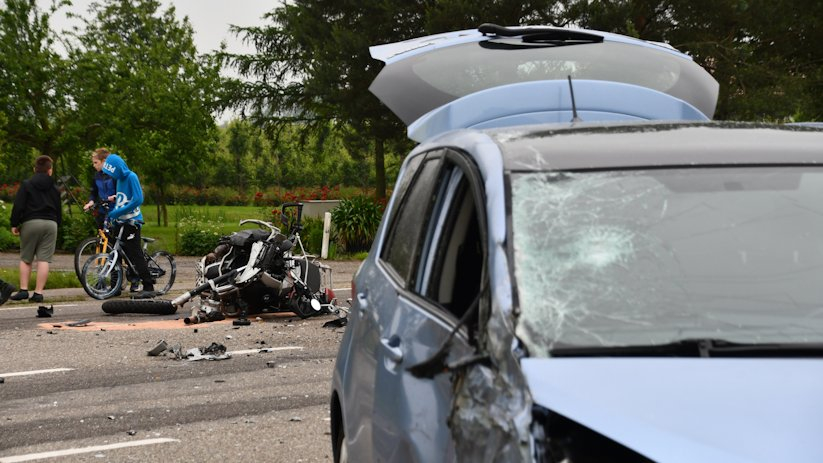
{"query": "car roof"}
{"type": "Point", "coordinates": [656, 144]}
{"type": "Point", "coordinates": [430, 74]}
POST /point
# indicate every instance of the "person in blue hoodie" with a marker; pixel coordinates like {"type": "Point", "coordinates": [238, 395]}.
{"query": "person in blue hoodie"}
{"type": "Point", "coordinates": [126, 214]}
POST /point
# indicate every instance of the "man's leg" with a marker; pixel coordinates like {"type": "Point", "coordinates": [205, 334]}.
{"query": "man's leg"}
{"type": "Point", "coordinates": [25, 274]}
{"type": "Point", "coordinates": [42, 276]}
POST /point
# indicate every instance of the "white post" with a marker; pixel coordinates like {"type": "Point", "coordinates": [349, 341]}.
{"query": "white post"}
{"type": "Point", "coordinates": [324, 253]}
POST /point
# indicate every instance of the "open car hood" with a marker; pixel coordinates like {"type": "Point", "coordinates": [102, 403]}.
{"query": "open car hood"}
{"type": "Point", "coordinates": [491, 76]}
{"type": "Point", "coordinates": [688, 409]}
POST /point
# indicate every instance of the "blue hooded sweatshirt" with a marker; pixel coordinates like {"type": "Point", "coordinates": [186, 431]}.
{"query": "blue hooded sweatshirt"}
{"type": "Point", "coordinates": [129, 192]}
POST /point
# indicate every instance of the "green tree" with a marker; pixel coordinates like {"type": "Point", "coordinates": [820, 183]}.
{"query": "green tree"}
{"type": "Point", "coordinates": [34, 82]}
{"type": "Point", "coordinates": [762, 53]}
{"type": "Point", "coordinates": [143, 87]}
{"type": "Point", "coordinates": [312, 66]}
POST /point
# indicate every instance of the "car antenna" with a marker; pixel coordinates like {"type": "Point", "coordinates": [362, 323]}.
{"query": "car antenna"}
{"type": "Point", "coordinates": [574, 105]}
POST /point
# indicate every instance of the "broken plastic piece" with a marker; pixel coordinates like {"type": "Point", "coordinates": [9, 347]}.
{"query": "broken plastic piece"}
{"type": "Point", "coordinates": [45, 312]}
{"type": "Point", "coordinates": [337, 323]}
{"type": "Point", "coordinates": [79, 323]}
{"type": "Point", "coordinates": [158, 349]}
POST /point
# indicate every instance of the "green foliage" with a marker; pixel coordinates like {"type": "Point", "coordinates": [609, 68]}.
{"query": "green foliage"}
{"type": "Point", "coordinates": [34, 86]}
{"type": "Point", "coordinates": [76, 227]}
{"type": "Point", "coordinates": [143, 87]}
{"type": "Point", "coordinates": [356, 221]}
{"type": "Point", "coordinates": [312, 235]}
{"type": "Point", "coordinates": [57, 278]}
{"type": "Point", "coordinates": [7, 240]}
{"type": "Point", "coordinates": [313, 65]}
{"type": "Point", "coordinates": [198, 234]}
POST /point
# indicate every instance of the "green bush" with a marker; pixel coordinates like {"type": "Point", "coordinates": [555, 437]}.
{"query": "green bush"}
{"type": "Point", "coordinates": [76, 227]}
{"type": "Point", "coordinates": [7, 240]}
{"type": "Point", "coordinates": [196, 235]}
{"type": "Point", "coordinates": [356, 221]}
{"type": "Point", "coordinates": [312, 235]}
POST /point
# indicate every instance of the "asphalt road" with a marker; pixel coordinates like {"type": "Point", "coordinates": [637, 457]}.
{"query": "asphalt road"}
{"type": "Point", "coordinates": [92, 393]}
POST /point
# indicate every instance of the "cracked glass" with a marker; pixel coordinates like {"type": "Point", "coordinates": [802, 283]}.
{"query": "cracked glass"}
{"type": "Point", "coordinates": [655, 256]}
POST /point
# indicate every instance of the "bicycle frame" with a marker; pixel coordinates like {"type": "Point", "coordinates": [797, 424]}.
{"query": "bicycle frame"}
{"type": "Point", "coordinates": [117, 253]}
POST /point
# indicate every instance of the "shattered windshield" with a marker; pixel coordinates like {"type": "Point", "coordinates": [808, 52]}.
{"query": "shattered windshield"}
{"type": "Point", "coordinates": [655, 256]}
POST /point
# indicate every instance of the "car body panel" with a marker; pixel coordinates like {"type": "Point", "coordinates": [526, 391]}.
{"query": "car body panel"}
{"type": "Point", "coordinates": [583, 146]}
{"type": "Point", "coordinates": [481, 408]}
{"type": "Point", "coordinates": [425, 74]}
{"type": "Point", "coordinates": [690, 409]}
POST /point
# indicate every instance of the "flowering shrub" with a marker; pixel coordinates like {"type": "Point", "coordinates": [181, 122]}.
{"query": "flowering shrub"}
{"type": "Point", "coordinates": [196, 235]}
{"type": "Point", "coordinates": [8, 191]}
{"type": "Point", "coordinates": [228, 196]}
{"type": "Point", "coordinates": [7, 240]}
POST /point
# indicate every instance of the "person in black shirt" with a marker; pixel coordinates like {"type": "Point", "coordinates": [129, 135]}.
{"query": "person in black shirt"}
{"type": "Point", "coordinates": [35, 216]}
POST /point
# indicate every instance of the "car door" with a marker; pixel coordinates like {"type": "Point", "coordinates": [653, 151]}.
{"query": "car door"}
{"type": "Point", "coordinates": [410, 413]}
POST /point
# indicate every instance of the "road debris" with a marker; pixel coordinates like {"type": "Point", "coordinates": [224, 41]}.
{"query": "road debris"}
{"type": "Point", "coordinates": [45, 312]}
{"type": "Point", "coordinates": [214, 351]}
{"type": "Point", "coordinates": [79, 323]}
{"type": "Point", "coordinates": [158, 349]}
{"type": "Point", "coordinates": [337, 323]}
{"type": "Point", "coordinates": [204, 314]}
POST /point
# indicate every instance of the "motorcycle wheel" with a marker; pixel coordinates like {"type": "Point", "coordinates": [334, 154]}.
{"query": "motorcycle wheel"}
{"type": "Point", "coordinates": [153, 307]}
{"type": "Point", "coordinates": [302, 308]}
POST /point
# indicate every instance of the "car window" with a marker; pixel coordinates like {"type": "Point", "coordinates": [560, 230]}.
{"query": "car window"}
{"type": "Point", "coordinates": [452, 259]}
{"type": "Point", "coordinates": [403, 239]}
{"type": "Point", "coordinates": [657, 256]}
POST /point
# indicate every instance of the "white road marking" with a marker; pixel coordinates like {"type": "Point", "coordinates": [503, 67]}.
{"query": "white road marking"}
{"type": "Point", "coordinates": [263, 350]}
{"type": "Point", "coordinates": [34, 372]}
{"type": "Point", "coordinates": [96, 448]}
{"type": "Point", "coordinates": [29, 307]}
{"type": "Point", "coordinates": [341, 289]}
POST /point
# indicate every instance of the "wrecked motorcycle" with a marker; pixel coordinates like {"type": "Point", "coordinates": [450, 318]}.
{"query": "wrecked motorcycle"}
{"type": "Point", "coordinates": [261, 270]}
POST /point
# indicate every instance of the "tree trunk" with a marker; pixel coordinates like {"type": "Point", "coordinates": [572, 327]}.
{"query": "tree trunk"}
{"type": "Point", "coordinates": [379, 169]}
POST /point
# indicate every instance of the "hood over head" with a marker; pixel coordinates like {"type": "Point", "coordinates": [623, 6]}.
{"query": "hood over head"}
{"type": "Point", "coordinates": [116, 167]}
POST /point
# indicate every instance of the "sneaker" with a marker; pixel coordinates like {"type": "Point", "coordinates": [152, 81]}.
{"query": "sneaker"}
{"type": "Point", "coordinates": [144, 295]}
{"type": "Point", "coordinates": [135, 286]}
{"type": "Point", "coordinates": [36, 297]}
{"type": "Point", "coordinates": [20, 295]}
{"type": "Point", "coordinates": [5, 292]}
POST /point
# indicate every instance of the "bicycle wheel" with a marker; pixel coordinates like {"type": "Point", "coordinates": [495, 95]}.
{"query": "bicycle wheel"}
{"type": "Point", "coordinates": [163, 270]}
{"type": "Point", "coordinates": [87, 248]}
{"type": "Point", "coordinates": [101, 276]}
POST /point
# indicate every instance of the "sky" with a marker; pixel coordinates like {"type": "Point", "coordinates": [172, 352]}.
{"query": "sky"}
{"type": "Point", "coordinates": [210, 19]}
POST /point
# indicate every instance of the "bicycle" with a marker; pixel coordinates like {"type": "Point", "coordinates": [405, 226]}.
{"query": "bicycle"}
{"type": "Point", "coordinates": [92, 245]}
{"type": "Point", "coordinates": [103, 273]}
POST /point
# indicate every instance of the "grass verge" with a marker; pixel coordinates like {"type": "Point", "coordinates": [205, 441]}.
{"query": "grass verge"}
{"type": "Point", "coordinates": [57, 278]}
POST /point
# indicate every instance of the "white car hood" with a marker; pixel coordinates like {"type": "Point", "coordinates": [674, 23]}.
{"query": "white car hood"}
{"type": "Point", "coordinates": [691, 409]}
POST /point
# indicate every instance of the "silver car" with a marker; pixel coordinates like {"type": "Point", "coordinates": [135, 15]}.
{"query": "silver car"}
{"type": "Point", "coordinates": [592, 291]}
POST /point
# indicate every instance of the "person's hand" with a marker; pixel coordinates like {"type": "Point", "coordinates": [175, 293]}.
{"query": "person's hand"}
{"type": "Point", "coordinates": [88, 205]}
{"type": "Point", "coordinates": [112, 198]}
{"type": "Point", "coordinates": [15, 231]}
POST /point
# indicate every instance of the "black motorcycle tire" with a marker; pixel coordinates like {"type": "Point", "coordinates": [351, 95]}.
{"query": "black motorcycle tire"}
{"type": "Point", "coordinates": [153, 307]}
